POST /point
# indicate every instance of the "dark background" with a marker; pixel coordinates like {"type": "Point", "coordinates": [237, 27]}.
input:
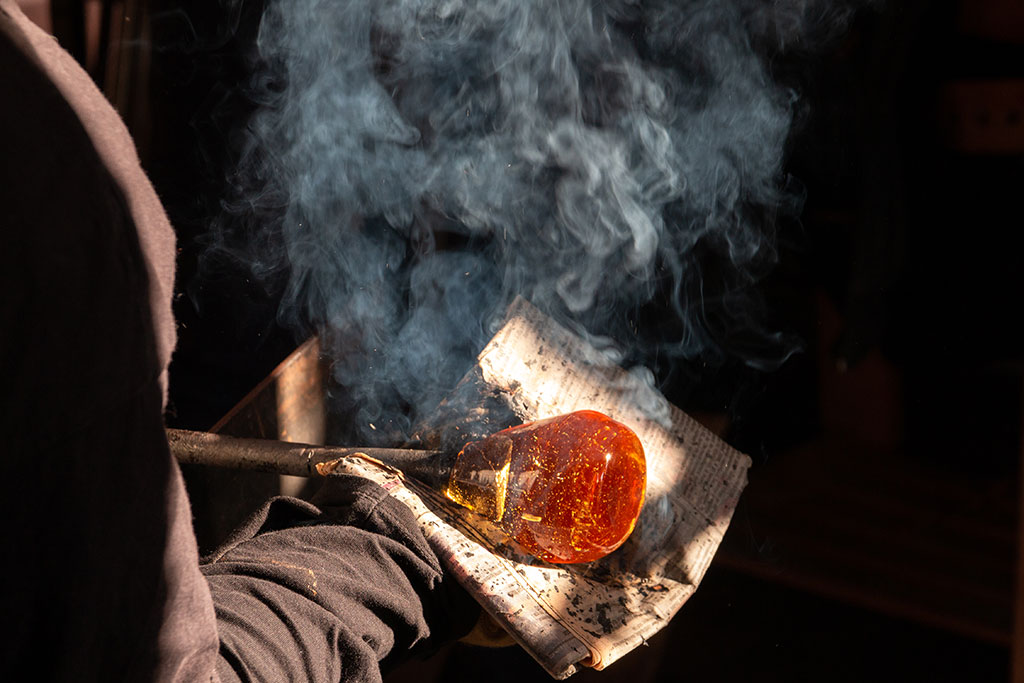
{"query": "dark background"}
{"type": "Point", "coordinates": [877, 538]}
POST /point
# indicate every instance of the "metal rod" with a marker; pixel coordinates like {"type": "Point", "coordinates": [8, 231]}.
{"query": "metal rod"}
{"type": "Point", "coordinates": [267, 455]}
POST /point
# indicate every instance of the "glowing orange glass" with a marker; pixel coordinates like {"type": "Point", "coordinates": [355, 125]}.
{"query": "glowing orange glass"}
{"type": "Point", "coordinates": [566, 489]}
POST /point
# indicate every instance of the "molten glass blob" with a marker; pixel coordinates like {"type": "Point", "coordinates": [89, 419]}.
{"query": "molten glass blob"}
{"type": "Point", "coordinates": [566, 489]}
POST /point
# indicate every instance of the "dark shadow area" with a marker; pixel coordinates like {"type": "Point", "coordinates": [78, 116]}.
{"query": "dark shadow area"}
{"type": "Point", "coordinates": [877, 540]}
{"type": "Point", "coordinates": [739, 629]}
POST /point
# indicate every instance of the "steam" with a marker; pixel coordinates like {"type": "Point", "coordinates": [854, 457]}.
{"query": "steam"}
{"type": "Point", "coordinates": [414, 165]}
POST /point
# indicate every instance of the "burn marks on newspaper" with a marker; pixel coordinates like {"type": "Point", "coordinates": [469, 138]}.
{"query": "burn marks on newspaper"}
{"type": "Point", "coordinates": [596, 618]}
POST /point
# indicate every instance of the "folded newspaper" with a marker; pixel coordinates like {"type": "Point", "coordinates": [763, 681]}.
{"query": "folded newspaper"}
{"type": "Point", "coordinates": [592, 614]}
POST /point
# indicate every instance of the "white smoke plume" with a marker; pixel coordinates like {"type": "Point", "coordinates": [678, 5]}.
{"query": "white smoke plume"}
{"type": "Point", "coordinates": [414, 165]}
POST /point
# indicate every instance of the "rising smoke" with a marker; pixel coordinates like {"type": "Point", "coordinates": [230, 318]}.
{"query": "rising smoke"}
{"type": "Point", "coordinates": [414, 165]}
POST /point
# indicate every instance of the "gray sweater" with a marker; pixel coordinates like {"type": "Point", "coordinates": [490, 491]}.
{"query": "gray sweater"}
{"type": "Point", "coordinates": [102, 580]}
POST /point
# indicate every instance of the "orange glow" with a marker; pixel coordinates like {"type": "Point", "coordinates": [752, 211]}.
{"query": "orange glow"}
{"type": "Point", "coordinates": [566, 489]}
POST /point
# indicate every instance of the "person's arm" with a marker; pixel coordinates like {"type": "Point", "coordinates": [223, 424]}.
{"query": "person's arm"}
{"type": "Point", "coordinates": [103, 581]}
{"type": "Point", "coordinates": [101, 578]}
{"type": "Point", "coordinates": [331, 591]}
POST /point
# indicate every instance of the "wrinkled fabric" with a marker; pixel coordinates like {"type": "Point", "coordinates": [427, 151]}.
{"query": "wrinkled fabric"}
{"type": "Point", "coordinates": [107, 585]}
{"type": "Point", "coordinates": [116, 150]}
{"type": "Point", "coordinates": [95, 510]}
{"type": "Point", "coordinates": [323, 591]}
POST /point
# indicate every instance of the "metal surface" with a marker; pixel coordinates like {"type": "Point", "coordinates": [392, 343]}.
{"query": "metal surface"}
{"type": "Point", "coordinates": [268, 455]}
